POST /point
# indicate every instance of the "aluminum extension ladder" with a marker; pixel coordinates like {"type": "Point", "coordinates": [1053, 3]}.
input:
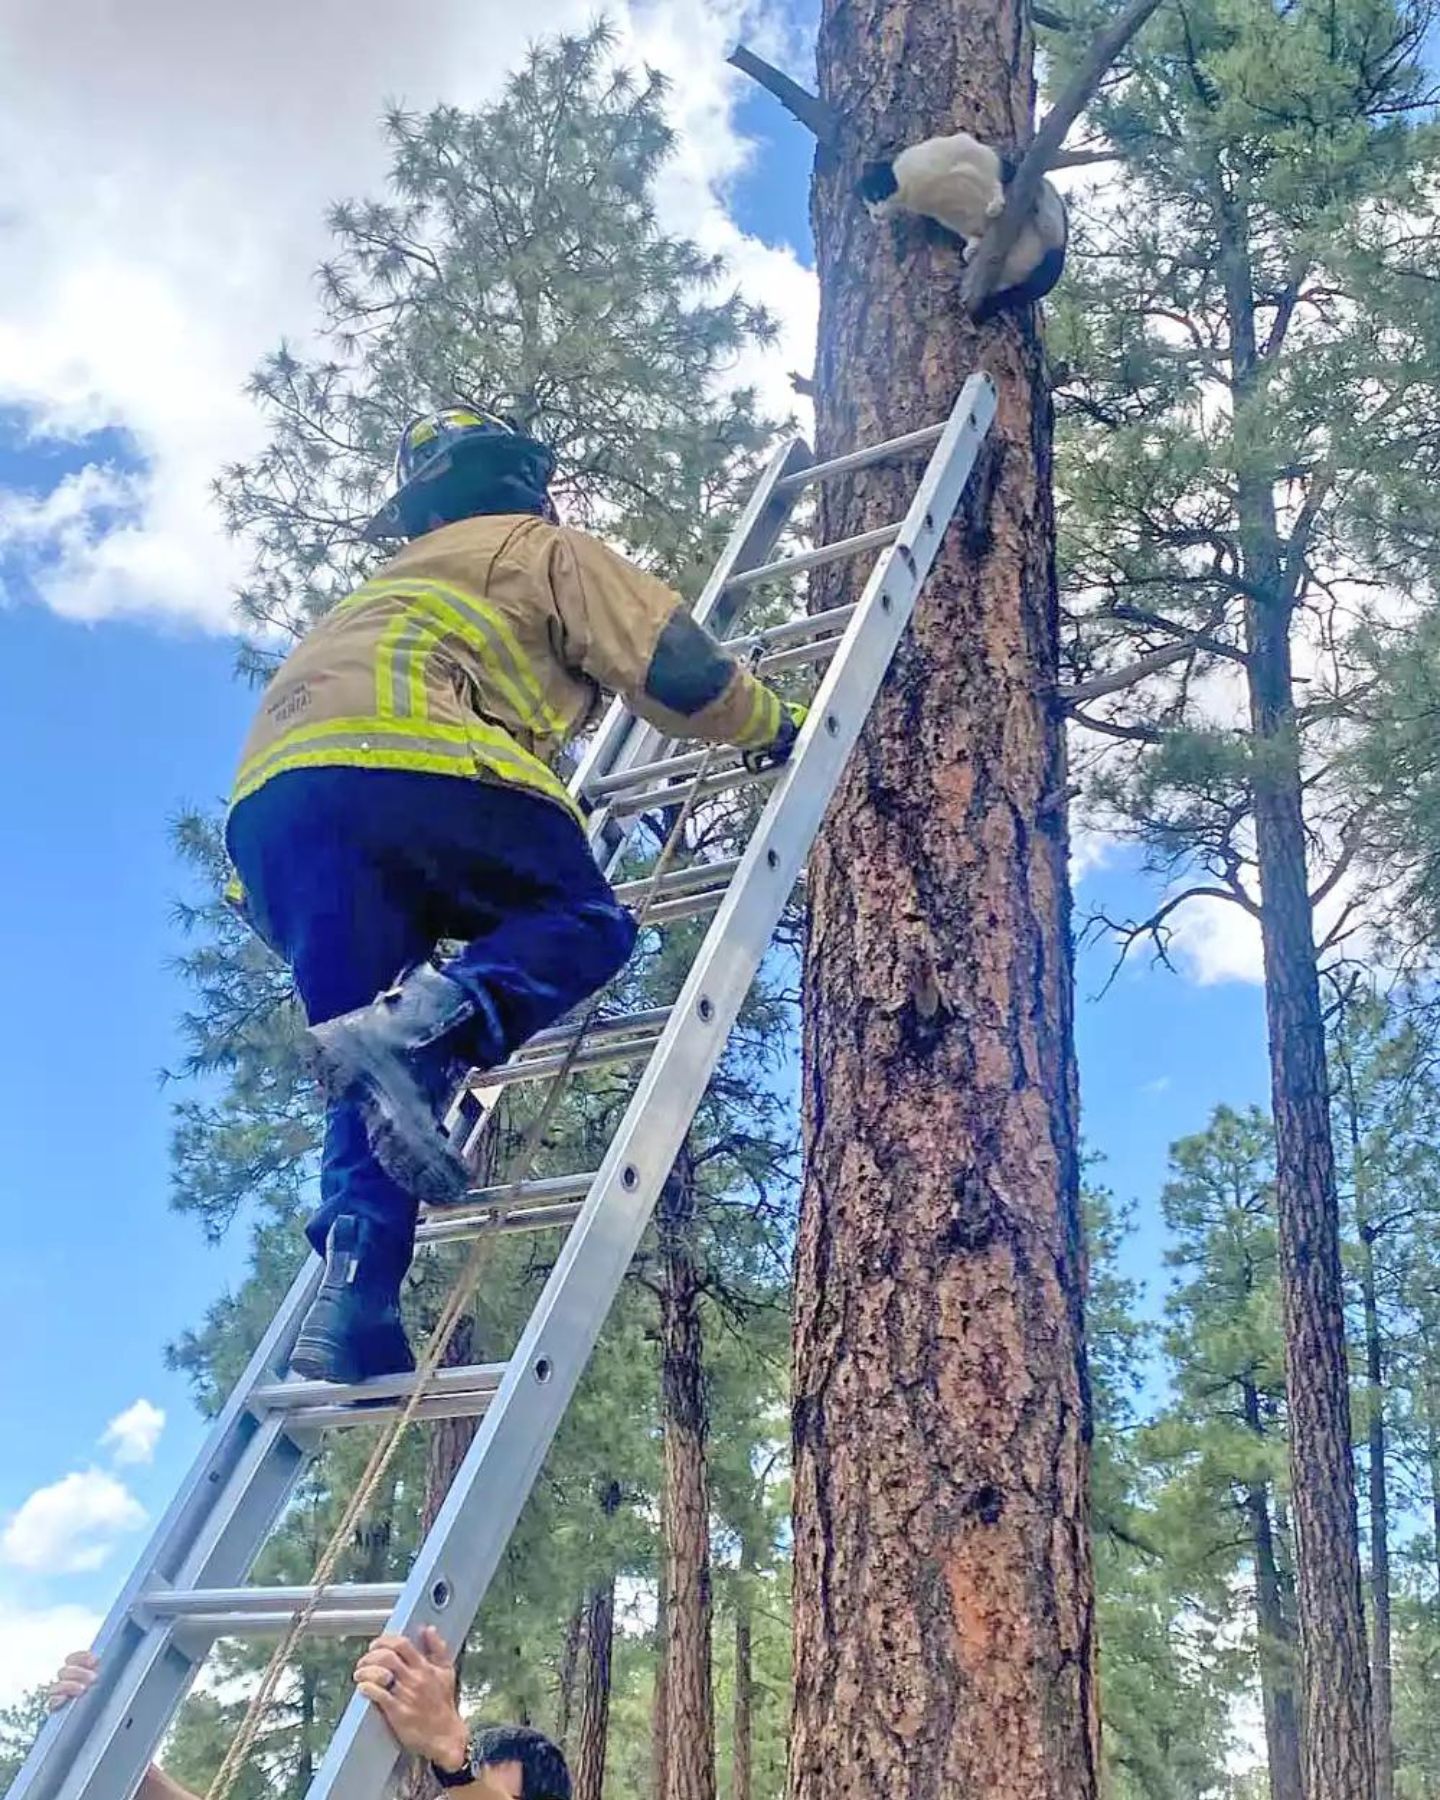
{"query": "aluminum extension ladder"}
{"type": "Point", "coordinates": [187, 1589]}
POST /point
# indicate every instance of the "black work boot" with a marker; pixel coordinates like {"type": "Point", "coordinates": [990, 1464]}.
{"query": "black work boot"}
{"type": "Point", "coordinates": [392, 1052]}
{"type": "Point", "coordinates": [353, 1329]}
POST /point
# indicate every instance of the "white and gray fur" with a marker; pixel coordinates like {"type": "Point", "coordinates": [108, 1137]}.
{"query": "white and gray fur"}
{"type": "Point", "coordinates": [960, 183]}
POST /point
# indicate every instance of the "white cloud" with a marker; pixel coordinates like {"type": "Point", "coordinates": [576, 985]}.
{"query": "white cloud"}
{"type": "Point", "coordinates": [1091, 849]}
{"type": "Point", "coordinates": [34, 1641]}
{"type": "Point", "coordinates": [133, 1434]}
{"type": "Point", "coordinates": [166, 175]}
{"type": "Point", "coordinates": [70, 1526]}
{"type": "Point", "coordinates": [1215, 940]}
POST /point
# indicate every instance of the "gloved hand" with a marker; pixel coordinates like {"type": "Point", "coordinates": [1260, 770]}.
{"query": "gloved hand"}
{"type": "Point", "coordinates": [792, 716]}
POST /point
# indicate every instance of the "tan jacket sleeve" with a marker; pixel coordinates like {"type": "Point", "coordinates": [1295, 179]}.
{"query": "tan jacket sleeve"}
{"type": "Point", "coordinates": [634, 635]}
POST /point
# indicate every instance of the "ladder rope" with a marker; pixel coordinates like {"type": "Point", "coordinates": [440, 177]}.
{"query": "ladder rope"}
{"type": "Point", "coordinates": [243, 1742]}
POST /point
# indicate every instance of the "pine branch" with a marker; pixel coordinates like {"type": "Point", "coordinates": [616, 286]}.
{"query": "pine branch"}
{"type": "Point", "coordinates": [1128, 734]}
{"type": "Point", "coordinates": [983, 269]}
{"type": "Point", "coordinates": [812, 112]}
{"type": "Point", "coordinates": [1350, 840]}
{"type": "Point", "coordinates": [1119, 679]}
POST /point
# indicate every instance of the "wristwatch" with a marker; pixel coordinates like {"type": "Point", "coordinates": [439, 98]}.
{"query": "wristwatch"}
{"type": "Point", "coordinates": [460, 1777]}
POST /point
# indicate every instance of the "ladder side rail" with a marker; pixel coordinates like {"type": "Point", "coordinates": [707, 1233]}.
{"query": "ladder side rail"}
{"type": "Point", "coordinates": [125, 1662]}
{"type": "Point", "coordinates": [453, 1570]}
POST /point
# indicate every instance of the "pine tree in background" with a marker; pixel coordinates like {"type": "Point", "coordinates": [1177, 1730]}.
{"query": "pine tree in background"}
{"type": "Point", "coordinates": [515, 263]}
{"type": "Point", "coordinates": [1222, 1443]}
{"type": "Point", "coordinates": [1252, 410]}
{"type": "Point", "coordinates": [1166, 1686]}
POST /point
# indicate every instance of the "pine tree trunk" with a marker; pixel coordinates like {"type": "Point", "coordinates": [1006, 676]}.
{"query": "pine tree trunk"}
{"type": "Point", "coordinates": [944, 1612]}
{"type": "Point", "coordinates": [445, 1447]}
{"type": "Point", "coordinates": [305, 1757]}
{"type": "Point", "coordinates": [689, 1707]}
{"type": "Point", "coordinates": [1339, 1746]}
{"type": "Point", "coordinates": [569, 1674]}
{"type": "Point", "coordinates": [1275, 1637]}
{"type": "Point", "coordinates": [1432, 1432]}
{"type": "Point", "coordinates": [742, 1760]}
{"type": "Point", "coordinates": [1380, 1612]}
{"type": "Point", "coordinates": [1380, 1632]}
{"type": "Point", "coordinates": [659, 1733]}
{"type": "Point", "coordinates": [593, 1735]}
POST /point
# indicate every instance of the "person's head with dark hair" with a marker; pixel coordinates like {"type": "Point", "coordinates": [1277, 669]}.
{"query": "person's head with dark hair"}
{"type": "Point", "coordinates": [520, 1764]}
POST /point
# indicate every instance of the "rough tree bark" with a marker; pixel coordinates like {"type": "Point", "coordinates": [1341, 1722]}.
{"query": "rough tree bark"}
{"type": "Point", "coordinates": [689, 1764]}
{"type": "Point", "coordinates": [1275, 1635]}
{"type": "Point", "coordinates": [944, 1623]}
{"type": "Point", "coordinates": [1339, 1748]}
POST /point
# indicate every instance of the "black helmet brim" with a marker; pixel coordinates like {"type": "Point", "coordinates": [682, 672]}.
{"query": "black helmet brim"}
{"type": "Point", "coordinates": [474, 476]}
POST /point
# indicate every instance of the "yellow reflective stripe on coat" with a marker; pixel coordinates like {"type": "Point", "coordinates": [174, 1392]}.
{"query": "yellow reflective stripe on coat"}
{"type": "Point", "coordinates": [400, 667]}
{"type": "Point", "coordinates": [486, 632]}
{"type": "Point", "coordinates": [762, 722]}
{"type": "Point", "coordinates": [402, 744]}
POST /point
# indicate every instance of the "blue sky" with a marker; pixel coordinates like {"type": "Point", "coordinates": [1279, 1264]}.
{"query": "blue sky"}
{"type": "Point", "coordinates": [118, 709]}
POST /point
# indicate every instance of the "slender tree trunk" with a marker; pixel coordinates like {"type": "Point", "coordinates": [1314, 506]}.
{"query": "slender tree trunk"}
{"type": "Point", "coordinates": [445, 1447]}
{"type": "Point", "coordinates": [742, 1761]}
{"type": "Point", "coordinates": [689, 1706]}
{"type": "Point", "coordinates": [1339, 1745]}
{"type": "Point", "coordinates": [944, 1610]}
{"type": "Point", "coordinates": [569, 1675]}
{"type": "Point", "coordinates": [1275, 1637]}
{"type": "Point", "coordinates": [593, 1736]}
{"type": "Point", "coordinates": [1382, 1685]}
{"type": "Point", "coordinates": [1432, 1432]}
{"type": "Point", "coordinates": [305, 1759]}
{"type": "Point", "coordinates": [659, 1720]}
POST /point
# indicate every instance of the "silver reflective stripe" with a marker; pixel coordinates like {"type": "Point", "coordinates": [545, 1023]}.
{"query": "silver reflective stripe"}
{"type": "Point", "coordinates": [418, 636]}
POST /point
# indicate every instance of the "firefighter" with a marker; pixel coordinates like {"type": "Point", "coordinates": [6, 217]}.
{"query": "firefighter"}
{"type": "Point", "coordinates": [398, 789]}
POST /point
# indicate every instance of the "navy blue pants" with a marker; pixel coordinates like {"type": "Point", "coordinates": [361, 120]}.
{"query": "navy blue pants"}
{"type": "Point", "coordinates": [352, 875]}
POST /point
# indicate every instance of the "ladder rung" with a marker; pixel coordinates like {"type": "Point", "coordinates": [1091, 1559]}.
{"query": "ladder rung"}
{"type": "Point", "coordinates": [684, 881]}
{"type": "Point", "coordinates": [690, 906]}
{"type": "Point", "coordinates": [560, 1037]}
{"type": "Point", "coordinates": [793, 630]}
{"type": "Point", "coordinates": [458, 1223]}
{"type": "Point", "coordinates": [460, 1393]}
{"type": "Point", "coordinates": [593, 1056]}
{"type": "Point", "coordinates": [545, 1191]}
{"type": "Point", "coordinates": [267, 1602]}
{"type": "Point", "coordinates": [664, 770]}
{"type": "Point", "coordinates": [817, 558]}
{"type": "Point", "coordinates": [202, 1629]}
{"type": "Point", "coordinates": [860, 459]}
{"type": "Point", "coordinates": [819, 652]}
{"type": "Point", "coordinates": [723, 782]}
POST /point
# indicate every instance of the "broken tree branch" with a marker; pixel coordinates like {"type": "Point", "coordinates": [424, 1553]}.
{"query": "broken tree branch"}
{"type": "Point", "coordinates": [1120, 679]}
{"type": "Point", "coordinates": [799, 102]}
{"type": "Point", "coordinates": [983, 269]}
{"type": "Point", "coordinates": [1052, 21]}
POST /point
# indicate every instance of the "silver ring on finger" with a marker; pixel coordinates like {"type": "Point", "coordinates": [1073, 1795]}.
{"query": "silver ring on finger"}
{"type": "Point", "coordinates": [390, 1679]}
